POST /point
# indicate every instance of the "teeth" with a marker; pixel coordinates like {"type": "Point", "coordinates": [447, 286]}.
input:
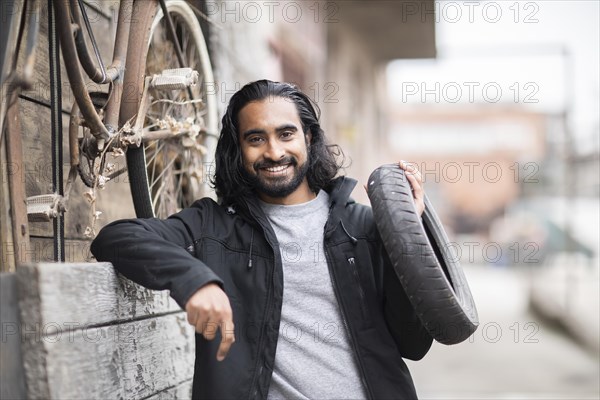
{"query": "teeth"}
{"type": "Point", "coordinates": [277, 169]}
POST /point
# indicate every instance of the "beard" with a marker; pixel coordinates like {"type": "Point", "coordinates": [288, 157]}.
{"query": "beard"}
{"type": "Point", "coordinates": [280, 186]}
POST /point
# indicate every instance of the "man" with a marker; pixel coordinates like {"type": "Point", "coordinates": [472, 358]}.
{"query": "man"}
{"type": "Point", "coordinates": [287, 266]}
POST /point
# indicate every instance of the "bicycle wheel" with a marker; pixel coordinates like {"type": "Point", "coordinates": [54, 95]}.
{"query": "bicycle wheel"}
{"type": "Point", "coordinates": [430, 274]}
{"type": "Point", "coordinates": [167, 175]}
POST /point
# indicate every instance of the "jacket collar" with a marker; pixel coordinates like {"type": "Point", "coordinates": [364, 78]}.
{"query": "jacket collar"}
{"type": "Point", "coordinates": [339, 191]}
{"type": "Point", "coordinates": [339, 197]}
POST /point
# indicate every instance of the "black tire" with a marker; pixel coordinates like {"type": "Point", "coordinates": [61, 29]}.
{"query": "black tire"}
{"type": "Point", "coordinates": [138, 182]}
{"type": "Point", "coordinates": [421, 257]}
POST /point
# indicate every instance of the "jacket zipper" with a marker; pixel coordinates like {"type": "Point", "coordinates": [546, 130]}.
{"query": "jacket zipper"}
{"type": "Point", "coordinates": [350, 333]}
{"type": "Point", "coordinates": [270, 289]}
{"type": "Point", "coordinates": [361, 293]}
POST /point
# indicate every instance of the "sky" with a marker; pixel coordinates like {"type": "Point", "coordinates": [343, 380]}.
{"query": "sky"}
{"type": "Point", "coordinates": [531, 54]}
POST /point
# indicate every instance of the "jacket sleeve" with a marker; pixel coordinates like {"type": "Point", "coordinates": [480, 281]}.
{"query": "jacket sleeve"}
{"type": "Point", "coordinates": [411, 337]}
{"type": "Point", "coordinates": [153, 253]}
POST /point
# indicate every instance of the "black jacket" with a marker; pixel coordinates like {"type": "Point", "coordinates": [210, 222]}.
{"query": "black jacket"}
{"type": "Point", "coordinates": [236, 247]}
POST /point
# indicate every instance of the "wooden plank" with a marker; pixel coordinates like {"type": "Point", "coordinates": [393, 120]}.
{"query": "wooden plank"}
{"type": "Point", "coordinates": [16, 188]}
{"type": "Point", "coordinates": [132, 360]}
{"type": "Point", "coordinates": [41, 250]}
{"type": "Point", "coordinates": [7, 262]}
{"type": "Point", "coordinates": [84, 320]}
{"type": "Point", "coordinates": [85, 294]}
{"type": "Point", "coordinates": [36, 168]}
{"type": "Point", "coordinates": [181, 391]}
{"type": "Point", "coordinates": [104, 30]}
{"type": "Point", "coordinates": [12, 376]}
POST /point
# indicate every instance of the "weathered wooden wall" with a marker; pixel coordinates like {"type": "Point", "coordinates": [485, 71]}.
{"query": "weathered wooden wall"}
{"type": "Point", "coordinates": [89, 333]}
{"type": "Point", "coordinates": [36, 168]}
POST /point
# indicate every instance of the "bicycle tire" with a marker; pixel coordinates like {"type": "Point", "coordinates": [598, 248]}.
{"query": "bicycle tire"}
{"type": "Point", "coordinates": [162, 196]}
{"type": "Point", "coordinates": [419, 251]}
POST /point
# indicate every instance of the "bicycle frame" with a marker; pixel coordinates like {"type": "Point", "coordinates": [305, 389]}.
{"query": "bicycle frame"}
{"type": "Point", "coordinates": [113, 121]}
{"type": "Point", "coordinates": [68, 32]}
{"type": "Point", "coordinates": [76, 54]}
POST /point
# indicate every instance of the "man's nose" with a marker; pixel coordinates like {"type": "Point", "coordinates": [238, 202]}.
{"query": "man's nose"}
{"type": "Point", "coordinates": [275, 150]}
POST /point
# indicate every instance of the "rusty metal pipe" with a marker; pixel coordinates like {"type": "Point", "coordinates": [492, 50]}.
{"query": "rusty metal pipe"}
{"type": "Point", "coordinates": [70, 59]}
{"type": "Point", "coordinates": [97, 74]}
{"type": "Point", "coordinates": [120, 54]}
{"type": "Point", "coordinates": [74, 123]}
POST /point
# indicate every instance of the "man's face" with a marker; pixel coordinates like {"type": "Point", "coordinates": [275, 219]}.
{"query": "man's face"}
{"type": "Point", "coordinates": [274, 148]}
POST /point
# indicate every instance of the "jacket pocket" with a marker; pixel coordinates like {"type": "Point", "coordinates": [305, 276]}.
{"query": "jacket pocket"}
{"type": "Point", "coordinates": [361, 292]}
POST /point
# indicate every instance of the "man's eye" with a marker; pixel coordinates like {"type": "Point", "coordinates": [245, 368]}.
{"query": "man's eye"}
{"type": "Point", "coordinates": [255, 139]}
{"type": "Point", "coordinates": [287, 134]}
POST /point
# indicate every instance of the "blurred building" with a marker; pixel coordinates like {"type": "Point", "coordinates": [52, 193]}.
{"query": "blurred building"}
{"type": "Point", "coordinates": [475, 161]}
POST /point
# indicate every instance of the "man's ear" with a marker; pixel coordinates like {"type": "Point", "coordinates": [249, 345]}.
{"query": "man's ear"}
{"type": "Point", "coordinates": [308, 138]}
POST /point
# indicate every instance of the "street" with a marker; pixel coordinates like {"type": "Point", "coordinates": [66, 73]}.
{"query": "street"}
{"type": "Point", "coordinates": [512, 355]}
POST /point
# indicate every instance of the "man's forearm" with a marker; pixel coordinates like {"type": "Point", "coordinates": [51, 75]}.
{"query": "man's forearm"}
{"type": "Point", "coordinates": [153, 253]}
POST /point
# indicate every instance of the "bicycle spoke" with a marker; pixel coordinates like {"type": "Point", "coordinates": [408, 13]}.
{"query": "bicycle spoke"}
{"type": "Point", "coordinates": [155, 199]}
{"type": "Point", "coordinates": [153, 161]}
{"type": "Point", "coordinates": [162, 173]}
{"type": "Point", "coordinates": [154, 154]}
{"type": "Point", "coordinates": [154, 124]}
{"type": "Point", "coordinates": [179, 190]}
{"type": "Point", "coordinates": [185, 38]}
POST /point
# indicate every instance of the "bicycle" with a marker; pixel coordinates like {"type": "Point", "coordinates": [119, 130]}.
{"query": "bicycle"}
{"type": "Point", "coordinates": [158, 110]}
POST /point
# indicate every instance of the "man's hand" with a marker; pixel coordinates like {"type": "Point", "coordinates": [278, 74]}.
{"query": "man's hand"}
{"type": "Point", "coordinates": [209, 309]}
{"type": "Point", "coordinates": [416, 182]}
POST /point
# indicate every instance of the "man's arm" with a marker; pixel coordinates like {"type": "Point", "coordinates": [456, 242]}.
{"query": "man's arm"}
{"type": "Point", "coordinates": [411, 337]}
{"type": "Point", "coordinates": [154, 253]}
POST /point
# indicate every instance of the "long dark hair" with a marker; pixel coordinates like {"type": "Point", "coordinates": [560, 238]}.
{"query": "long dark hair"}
{"type": "Point", "coordinates": [230, 181]}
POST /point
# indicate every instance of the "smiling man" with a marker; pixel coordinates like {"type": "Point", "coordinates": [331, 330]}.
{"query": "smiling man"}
{"type": "Point", "coordinates": [286, 265]}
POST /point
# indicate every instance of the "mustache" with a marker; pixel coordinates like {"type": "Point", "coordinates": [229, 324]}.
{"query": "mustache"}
{"type": "Point", "coordinates": [269, 163]}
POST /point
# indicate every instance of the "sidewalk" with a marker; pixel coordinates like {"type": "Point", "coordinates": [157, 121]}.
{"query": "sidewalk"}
{"type": "Point", "coordinates": [512, 355]}
{"type": "Point", "coordinates": [568, 292]}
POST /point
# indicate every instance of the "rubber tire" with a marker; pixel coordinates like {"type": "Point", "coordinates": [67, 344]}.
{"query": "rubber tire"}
{"type": "Point", "coordinates": [419, 250]}
{"type": "Point", "coordinates": [136, 157]}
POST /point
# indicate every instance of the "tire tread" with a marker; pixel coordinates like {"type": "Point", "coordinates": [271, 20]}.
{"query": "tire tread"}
{"type": "Point", "coordinates": [440, 296]}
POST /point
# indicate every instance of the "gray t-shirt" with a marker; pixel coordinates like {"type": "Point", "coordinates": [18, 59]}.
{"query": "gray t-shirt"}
{"type": "Point", "coordinates": [314, 359]}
